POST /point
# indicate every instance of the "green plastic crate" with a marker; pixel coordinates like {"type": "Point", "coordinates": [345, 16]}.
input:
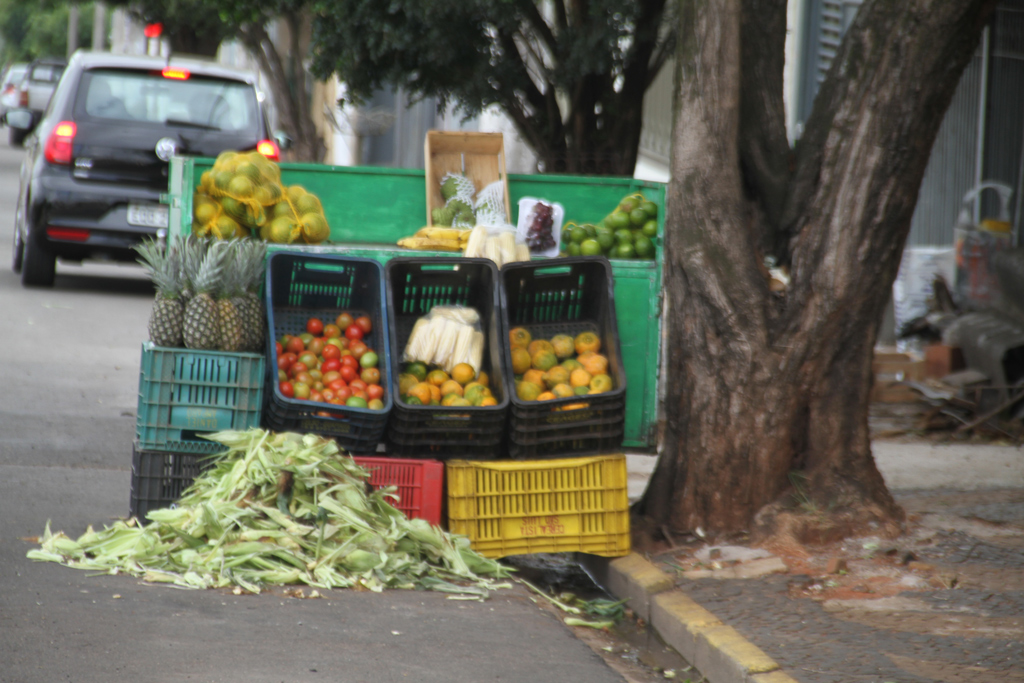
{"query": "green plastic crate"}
{"type": "Point", "coordinates": [184, 393]}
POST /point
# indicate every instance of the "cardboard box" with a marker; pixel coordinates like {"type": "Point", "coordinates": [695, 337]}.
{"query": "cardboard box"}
{"type": "Point", "coordinates": [479, 156]}
{"type": "Point", "coordinates": [941, 360]}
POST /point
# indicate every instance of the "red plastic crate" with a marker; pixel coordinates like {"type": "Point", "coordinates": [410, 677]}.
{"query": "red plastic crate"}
{"type": "Point", "coordinates": [419, 482]}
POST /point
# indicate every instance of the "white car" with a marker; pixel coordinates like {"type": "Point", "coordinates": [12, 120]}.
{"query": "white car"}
{"type": "Point", "coordinates": [9, 86]}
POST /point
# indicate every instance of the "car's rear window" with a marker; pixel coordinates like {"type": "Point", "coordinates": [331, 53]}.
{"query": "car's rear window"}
{"type": "Point", "coordinates": [148, 96]}
{"type": "Point", "coordinates": [46, 73]}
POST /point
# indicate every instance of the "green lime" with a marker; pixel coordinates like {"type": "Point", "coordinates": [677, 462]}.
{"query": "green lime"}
{"type": "Point", "coordinates": [573, 249]}
{"type": "Point", "coordinates": [606, 238]}
{"type": "Point", "coordinates": [581, 391]}
{"type": "Point", "coordinates": [578, 234]}
{"type": "Point", "coordinates": [628, 204]}
{"type": "Point", "coordinates": [566, 234]}
{"type": "Point", "coordinates": [590, 229]}
{"type": "Point", "coordinates": [650, 228]}
{"type": "Point", "coordinates": [417, 370]}
{"type": "Point", "coordinates": [625, 251]}
{"type": "Point", "coordinates": [590, 247]}
{"type": "Point", "coordinates": [600, 224]}
{"type": "Point", "coordinates": [650, 208]}
{"type": "Point", "coordinates": [617, 220]}
{"type": "Point", "coordinates": [644, 247]}
{"type": "Point", "coordinates": [637, 217]}
{"type": "Point", "coordinates": [624, 236]}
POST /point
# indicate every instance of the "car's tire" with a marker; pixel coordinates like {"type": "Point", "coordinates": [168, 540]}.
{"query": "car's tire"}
{"type": "Point", "coordinates": [16, 137]}
{"type": "Point", "coordinates": [40, 266]}
{"type": "Point", "coordinates": [18, 251]}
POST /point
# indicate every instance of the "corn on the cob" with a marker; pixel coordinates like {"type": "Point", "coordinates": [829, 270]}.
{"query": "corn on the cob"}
{"type": "Point", "coordinates": [507, 244]}
{"type": "Point", "coordinates": [414, 347]}
{"type": "Point", "coordinates": [475, 242]}
{"type": "Point", "coordinates": [522, 251]}
{"type": "Point", "coordinates": [493, 251]}
{"type": "Point", "coordinates": [476, 351]}
{"type": "Point", "coordinates": [463, 344]}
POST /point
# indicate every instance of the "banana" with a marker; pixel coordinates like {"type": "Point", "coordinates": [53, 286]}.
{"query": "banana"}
{"type": "Point", "coordinates": [430, 244]}
{"type": "Point", "coordinates": [432, 232]}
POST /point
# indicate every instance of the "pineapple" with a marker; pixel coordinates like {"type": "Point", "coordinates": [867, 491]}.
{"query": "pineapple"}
{"type": "Point", "coordinates": [167, 316]}
{"type": "Point", "coordinates": [231, 331]}
{"type": "Point", "coordinates": [252, 254]}
{"type": "Point", "coordinates": [192, 250]}
{"type": "Point", "coordinates": [201, 328]}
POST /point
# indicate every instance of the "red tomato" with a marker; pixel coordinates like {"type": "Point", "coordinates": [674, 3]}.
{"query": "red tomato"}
{"type": "Point", "coordinates": [296, 368]}
{"type": "Point", "coordinates": [370, 375]}
{"type": "Point", "coordinates": [328, 394]}
{"type": "Point", "coordinates": [357, 385]}
{"type": "Point", "coordinates": [331, 351]}
{"type": "Point", "coordinates": [359, 393]}
{"type": "Point", "coordinates": [315, 326]}
{"type": "Point", "coordinates": [304, 378]}
{"type": "Point", "coordinates": [309, 359]}
{"type": "Point", "coordinates": [286, 389]}
{"type": "Point", "coordinates": [316, 396]}
{"type": "Point", "coordinates": [329, 365]}
{"type": "Point", "coordinates": [358, 348]}
{"type": "Point", "coordinates": [354, 333]}
{"type": "Point", "coordinates": [375, 391]}
{"type": "Point", "coordinates": [343, 321]}
{"type": "Point", "coordinates": [296, 345]}
{"type": "Point", "coordinates": [282, 376]}
{"type": "Point", "coordinates": [330, 376]}
{"type": "Point", "coordinates": [337, 401]}
{"type": "Point", "coordinates": [348, 373]}
{"type": "Point", "coordinates": [364, 323]}
{"type": "Point", "coordinates": [278, 349]}
{"type": "Point", "coordinates": [331, 330]}
{"type": "Point", "coordinates": [290, 356]}
{"type": "Point", "coordinates": [343, 393]}
{"type": "Point", "coordinates": [283, 361]}
{"type": "Point", "coordinates": [349, 361]}
{"type": "Point", "coordinates": [337, 385]}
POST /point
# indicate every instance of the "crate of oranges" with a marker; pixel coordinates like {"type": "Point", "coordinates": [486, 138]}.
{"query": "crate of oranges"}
{"type": "Point", "coordinates": [563, 358]}
{"type": "Point", "coordinates": [447, 338]}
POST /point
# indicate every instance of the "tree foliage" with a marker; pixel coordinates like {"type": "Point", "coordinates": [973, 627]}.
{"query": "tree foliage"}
{"type": "Point", "coordinates": [570, 75]}
{"type": "Point", "coordinates": [40, 29]}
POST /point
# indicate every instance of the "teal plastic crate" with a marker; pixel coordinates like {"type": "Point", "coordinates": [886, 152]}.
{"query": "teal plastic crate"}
{"type": "Point", "coordinates": [184, 393]}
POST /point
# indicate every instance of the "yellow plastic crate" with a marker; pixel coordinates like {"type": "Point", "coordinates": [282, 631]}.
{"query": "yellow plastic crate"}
{"type": "Point", "coordinates": [541, 506]}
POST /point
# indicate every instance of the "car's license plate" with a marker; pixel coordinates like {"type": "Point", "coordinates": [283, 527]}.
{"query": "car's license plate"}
{"type": "Point", "coordinates": [148, 215]}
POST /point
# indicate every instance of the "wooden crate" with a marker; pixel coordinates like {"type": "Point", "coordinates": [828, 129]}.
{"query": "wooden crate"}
{"type": "Point", "coordinates": [479, 156]}
{"type": "Point", "coordinates": [891, 371]}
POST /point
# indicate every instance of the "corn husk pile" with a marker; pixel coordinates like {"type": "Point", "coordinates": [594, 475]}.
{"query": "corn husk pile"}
{"type": "Point", "coordinates": [280, 508]}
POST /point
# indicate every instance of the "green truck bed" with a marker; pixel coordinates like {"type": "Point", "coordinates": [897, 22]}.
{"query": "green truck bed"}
{"type": "Point", "coordinates": [370, 208]}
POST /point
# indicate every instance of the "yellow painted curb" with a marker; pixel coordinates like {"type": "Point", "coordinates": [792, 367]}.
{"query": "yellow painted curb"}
{"type": "Point", "coordinates": [730, 643]}
{"type": "Point", "coordinates": [644, 574]}
{"type": "Point", "coordinates": [694, 617]}
{"type": "Point", "coordinates": [773, 677]}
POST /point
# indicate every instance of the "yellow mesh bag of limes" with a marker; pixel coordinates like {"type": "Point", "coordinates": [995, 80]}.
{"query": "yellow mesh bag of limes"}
{"type": "Point", "coordinates": [242, 195]}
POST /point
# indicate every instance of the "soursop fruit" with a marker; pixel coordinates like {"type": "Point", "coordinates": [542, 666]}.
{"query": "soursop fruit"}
{"type": "Point", "coordinates": [449, 188]}
{"type": "Point", "coordinates": [442, 216]}
{"type": "Point", "coordinates": [458, 206]}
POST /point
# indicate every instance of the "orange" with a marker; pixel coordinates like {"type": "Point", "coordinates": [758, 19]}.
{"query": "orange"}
{"type": "Point", "coordinates": [406, 382]}
{"type": "Point", "coordinates": [451, 387]}
{"type": "Point", "coordinates": [563, 345]}
{"type": "Point", "coordinates": [463, 373]}
{"type": "Point", "coordinates": [595, 364]}
{"type": "Point", "coordinates": [587, 341]}
{"type": "Point", "coordinates": [600, 384]}
{"type": "Point", "coordinates": [519, 337]}
{"type": "Point", "coordinates": [583, 390]}
{"type": "Point", "coordinates": [435, 393]}
{"type": "Point", "coordinates": [483, 379]}
{"type": "Point", "coordinates": [416, 369]}
{"type": "Point", "coordinates": [546, 396]}
{"type": "Point", "coordinates": [437, 377]}
{"type": "Point", "coordinates": [459, 401]}
{"type": "Point", "coordinates": [534, 377]}
{"type": "Point", "coordinates": [447, 400]}
{"type": "Point", "coordinates": [489, 401]}
{"type": "Point", "coordinates": [475, 394]}
{"type": "Point", "coordinates": [527, 391]}
{"type": "Point", "coordinates": [520, 360]}
{"type": "Point", "coordinates": [571, 364]}
{"type": "Point", "coordinates": [540, 345]}
{"type": "Point", "coordinates": [421, 392]}
{"type": "Point", "coordinates": [470, 386]}
{"type": "Point", "coordinates": [556, 375]}
{"type": "Point", "coordinates": [544, 360]}
{"type": "Point", "coordinates": [580, 378]}
{"type": "Point", "coordinates": [562, 390]}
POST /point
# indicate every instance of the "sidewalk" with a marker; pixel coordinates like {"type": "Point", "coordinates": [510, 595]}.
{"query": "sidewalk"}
{"type": "Point", "coordinates": [944, 602]}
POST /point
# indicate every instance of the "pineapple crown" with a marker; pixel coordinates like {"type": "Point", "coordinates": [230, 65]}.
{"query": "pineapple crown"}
{"type": "Point", "coordinates": [207, 276]}
{"type": "Point", "coordinates": [162, 265]}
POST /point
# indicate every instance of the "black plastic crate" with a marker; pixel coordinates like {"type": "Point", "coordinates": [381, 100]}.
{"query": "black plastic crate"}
{"type": "Point", "coordinates": [160, 477]}
{"type": "Point", "coordinates": [567, 296]}
{"type": "Point", "coordinates": [414, 287]}
{"type": "Point", "coordinates": [300, 286]}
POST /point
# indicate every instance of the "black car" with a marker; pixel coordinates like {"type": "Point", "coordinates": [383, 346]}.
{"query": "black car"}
{"type": "Point", "coordinates": [96, 162]}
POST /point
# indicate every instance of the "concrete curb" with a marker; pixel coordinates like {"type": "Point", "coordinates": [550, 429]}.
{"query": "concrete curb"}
{"type": "Point", "coordinates": [714, 648]}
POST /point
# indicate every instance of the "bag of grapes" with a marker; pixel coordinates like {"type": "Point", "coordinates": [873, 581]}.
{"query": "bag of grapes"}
{"type": "Point", "coordinates": [540, 225]}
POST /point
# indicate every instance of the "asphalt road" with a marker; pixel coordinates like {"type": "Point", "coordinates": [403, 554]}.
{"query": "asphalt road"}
{"type": "Point", "coordinates": [69, 363]}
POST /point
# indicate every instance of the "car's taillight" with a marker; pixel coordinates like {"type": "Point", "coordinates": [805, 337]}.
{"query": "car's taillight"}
{"type": "Point", "coordinates": [268, 148]}
{"type": "Point", "coordinates": [67, 234]}
{"type": "Point", "coordinates": [58, 145]}
{"type": "Point", "coordinates": [23, 98]}
{"type": "Point", "coordinates": [176, 74]}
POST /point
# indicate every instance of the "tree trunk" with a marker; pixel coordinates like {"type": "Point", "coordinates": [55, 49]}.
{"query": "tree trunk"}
{"type": "Point", "coordinates": [289, 94]}
{"type": "Point", "coordinates": [768, 393]}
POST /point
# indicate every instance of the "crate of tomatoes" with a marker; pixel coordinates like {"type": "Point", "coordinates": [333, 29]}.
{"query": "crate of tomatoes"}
{"type": "Point", "coordinates": [328, 346]}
